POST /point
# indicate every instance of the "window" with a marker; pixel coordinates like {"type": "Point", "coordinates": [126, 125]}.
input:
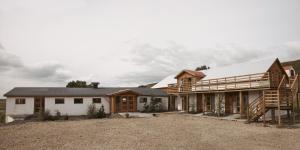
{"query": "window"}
{"type": "Point", "coordinates": [78, 100]}
{"type": "Point", "coordinates": [143, 100]}
{"type": "Point", "coordinates": [157, 100]}
{"type": "Point", "coordinates": [292, 73]}
{"type": "Point", "coordinates": [20, 101]}
{"type": "Point", "coordinates": [59, 101]}
{"type": "Point", "coordinates": [96, 100]}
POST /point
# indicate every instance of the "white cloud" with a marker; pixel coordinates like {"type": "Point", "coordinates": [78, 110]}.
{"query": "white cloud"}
{"type": "Point", "coordinates": [155, 63]}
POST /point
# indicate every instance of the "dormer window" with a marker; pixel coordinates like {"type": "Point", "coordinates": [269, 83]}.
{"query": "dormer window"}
{"type": "Point", "coordinates": [292, 73]}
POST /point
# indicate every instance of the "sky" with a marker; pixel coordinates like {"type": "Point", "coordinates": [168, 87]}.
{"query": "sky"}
{"type": "Point", "coordinates": [133, 42]}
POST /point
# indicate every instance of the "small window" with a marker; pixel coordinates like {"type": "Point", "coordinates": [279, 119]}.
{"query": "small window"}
{"type": "Point", "coordinates": [59, 101]}
{"type": "Point", "coordinates": [78, 100]}
{"type": "Point", "coordinates": [96, 100]}
{"type": "Point", "coordinates": [158, 100]}
{"type": "Point", "coordinates": [143, 100]}
{"type": "Point", "coordinates": [20, 101]}
{"type": "Point", "coordinates": [292, 73]}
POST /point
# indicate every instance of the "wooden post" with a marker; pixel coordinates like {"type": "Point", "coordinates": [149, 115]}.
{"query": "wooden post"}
{"type": "Point", "coordinates": [203, 102]}
{"type": "Point", "coordinates": [264, 107]}
{"type": "Point", "coordinates": [241, 104]}
{"type": "Point", "coordinates": [279, 117]}
{"type": "Point", "coordinates": [188, 103]}
{"type": "Point", "coordinates": [273, 115]}
{"type": "Point", "coordinates": [113, 105]}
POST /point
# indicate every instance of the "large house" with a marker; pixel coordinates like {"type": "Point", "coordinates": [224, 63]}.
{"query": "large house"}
{"type": "Point", "coordinates": [24, 101]}
{"type": "Point", "coordinates": [254, 89]}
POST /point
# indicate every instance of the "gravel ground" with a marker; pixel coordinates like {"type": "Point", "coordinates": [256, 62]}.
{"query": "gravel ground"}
{"type": "Point", "coordinates": [168, 131]}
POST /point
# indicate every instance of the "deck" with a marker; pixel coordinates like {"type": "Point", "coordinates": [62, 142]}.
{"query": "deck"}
{"type": "Point", "coordinates": [251, 81]}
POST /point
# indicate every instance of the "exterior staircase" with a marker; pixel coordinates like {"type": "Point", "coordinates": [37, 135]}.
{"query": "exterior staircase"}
{"type": "Point", "coordinates": [282, 98]}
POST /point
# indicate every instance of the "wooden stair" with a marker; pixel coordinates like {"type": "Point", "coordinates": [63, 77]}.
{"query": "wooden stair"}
{"type": "Point", "coordinates": [281, 98]}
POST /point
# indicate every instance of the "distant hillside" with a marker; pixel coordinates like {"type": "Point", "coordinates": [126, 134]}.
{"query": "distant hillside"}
{"type": "Point", "coordinates": [295, 64]}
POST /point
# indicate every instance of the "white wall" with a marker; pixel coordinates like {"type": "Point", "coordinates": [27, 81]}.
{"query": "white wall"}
{"type": "Point", "coordinates": [193, 102]}
{"type": "Point", "coordinates": [74, 109]}
{"type": "Point", "coordinates": [19, 109]}
{"type": "Point", "coordinates": [178, 103]}
{"type": "Point", "coordinates": [140, 106]}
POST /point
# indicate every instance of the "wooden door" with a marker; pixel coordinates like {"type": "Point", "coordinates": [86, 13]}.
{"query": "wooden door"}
{"type": "Point", "coordinates": [128, 103]}
{"type": "Point", "coordinates": [199, 103]}
{"type": "Point", "coordinates": [172, 103]}
{"type": "Point", "coordinates": [39, 104]}
{"type": "Point", "coordinates": [184, 103]}
{"type": "Point", "coordinates": [229, 97]}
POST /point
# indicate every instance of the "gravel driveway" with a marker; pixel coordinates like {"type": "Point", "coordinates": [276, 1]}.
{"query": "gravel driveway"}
{"type": "Point", "coordinates": [168, 131]}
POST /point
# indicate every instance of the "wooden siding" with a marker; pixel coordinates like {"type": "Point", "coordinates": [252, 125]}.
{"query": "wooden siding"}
{"type": "Point", "coordinates": [118, 105]}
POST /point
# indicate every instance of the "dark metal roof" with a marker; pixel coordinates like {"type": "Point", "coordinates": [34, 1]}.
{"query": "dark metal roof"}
{"type": "Point", "coordinates": [78, 92]}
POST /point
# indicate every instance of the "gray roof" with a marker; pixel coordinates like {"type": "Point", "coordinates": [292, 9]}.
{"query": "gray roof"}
{"type": "Point", "coordinates": [78, 92]}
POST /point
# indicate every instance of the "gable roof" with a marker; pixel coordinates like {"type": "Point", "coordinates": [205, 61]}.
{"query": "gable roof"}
{"type": "Point", "coordinates": [250, 67]}
{"type": "Point", "coordinates": [164, 82]}
{"type": "Point", "coordinates": [295, 64]}
{"type": "Point", "coordinates": [196, 74]}
{"type": "Point", "coordinates": [79, 92]}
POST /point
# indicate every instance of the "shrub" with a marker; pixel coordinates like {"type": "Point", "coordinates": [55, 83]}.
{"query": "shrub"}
{"type": "Point", "coordinates": [2, 117]}
{"type": "Point", "coordinates": [45, 115]}
{"type": "Point", "coordinates": [92, 111]}
{"type": "Point", "coordinates": [101, 113]}
{"type": "Point", "coordinates": [57, 115]}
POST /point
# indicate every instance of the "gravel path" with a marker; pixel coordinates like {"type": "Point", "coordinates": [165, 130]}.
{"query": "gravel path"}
{"type": "Point", "coordinates": [168, 131]}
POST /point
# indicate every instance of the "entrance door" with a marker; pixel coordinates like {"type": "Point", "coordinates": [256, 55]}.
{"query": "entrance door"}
{"type": "Point", "coordinates": [184, 103]}
{"type": "Point", "coordinates": [199, 103]}
{"type": "Point", "coordinates": [172, 103]}
{"type": "Point", "coordinates": [230, 100]}
{"type": "Point", "coordinates": [39, 104]}
{"type": "Point", "coordinates": [127, 103]}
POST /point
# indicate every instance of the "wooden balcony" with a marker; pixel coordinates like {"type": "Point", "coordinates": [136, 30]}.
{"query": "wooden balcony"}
{"type": "Point", "coordinates": [251, 81]}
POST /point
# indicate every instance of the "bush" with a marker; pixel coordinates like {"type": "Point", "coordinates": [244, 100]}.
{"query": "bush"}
{"type": "Point", "coordinates": [101, 113]}
{"type": "Point", "coordinates": [93, 112]}
{"type": "Point", "coordinates": [2, 117]}
{"type": "Point", "coordinates": [45, 115]}
{"type": "Point", "coordinates": [57, 115]}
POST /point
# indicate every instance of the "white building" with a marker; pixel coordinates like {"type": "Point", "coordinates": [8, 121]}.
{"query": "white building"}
{"type": "Point", "coordinates": [25, 101]}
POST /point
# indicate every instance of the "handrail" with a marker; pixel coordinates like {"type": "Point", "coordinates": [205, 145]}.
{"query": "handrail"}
{"type": "Point", "coordinates": [283, 77]}
{"type": "Point", "coordinates": [296, 80]}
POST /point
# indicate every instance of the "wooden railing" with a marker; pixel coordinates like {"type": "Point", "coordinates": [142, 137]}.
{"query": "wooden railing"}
{"type": "Point", "coordinates": [259, 80]}
{"type": "Point", "coordinates": [255, 107]}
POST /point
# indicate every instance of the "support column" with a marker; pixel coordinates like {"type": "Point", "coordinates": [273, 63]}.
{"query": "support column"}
{"type": "Point", "coordinates": [273, 115]}
{"type": "Point", "coordinates": [279, 114]}
{"type": "Point", "coordinates": [203, 103]}
{"type": "Point", "coordinates": [241, 104]}
{"type": "Point", "coordinates": [113, 105]}
{"type": "Point", "coordinates": [264, 107]}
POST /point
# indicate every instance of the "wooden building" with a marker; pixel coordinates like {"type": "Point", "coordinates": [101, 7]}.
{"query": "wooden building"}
{"type": "Point", "coordinates": [253, 89]}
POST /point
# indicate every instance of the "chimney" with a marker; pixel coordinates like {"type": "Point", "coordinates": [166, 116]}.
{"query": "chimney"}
{"type": "Point", "coordinates": [95, 84]}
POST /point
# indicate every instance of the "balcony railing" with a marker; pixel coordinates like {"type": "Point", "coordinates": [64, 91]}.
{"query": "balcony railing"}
{"type": "Point", "coordinates": [259, 80]}
{"type": "Point", "coordinates": [251, 81]}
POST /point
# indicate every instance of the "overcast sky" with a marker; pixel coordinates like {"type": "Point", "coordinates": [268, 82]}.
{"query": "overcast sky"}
{"type": "Point", "coordinates": [131, 42]}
